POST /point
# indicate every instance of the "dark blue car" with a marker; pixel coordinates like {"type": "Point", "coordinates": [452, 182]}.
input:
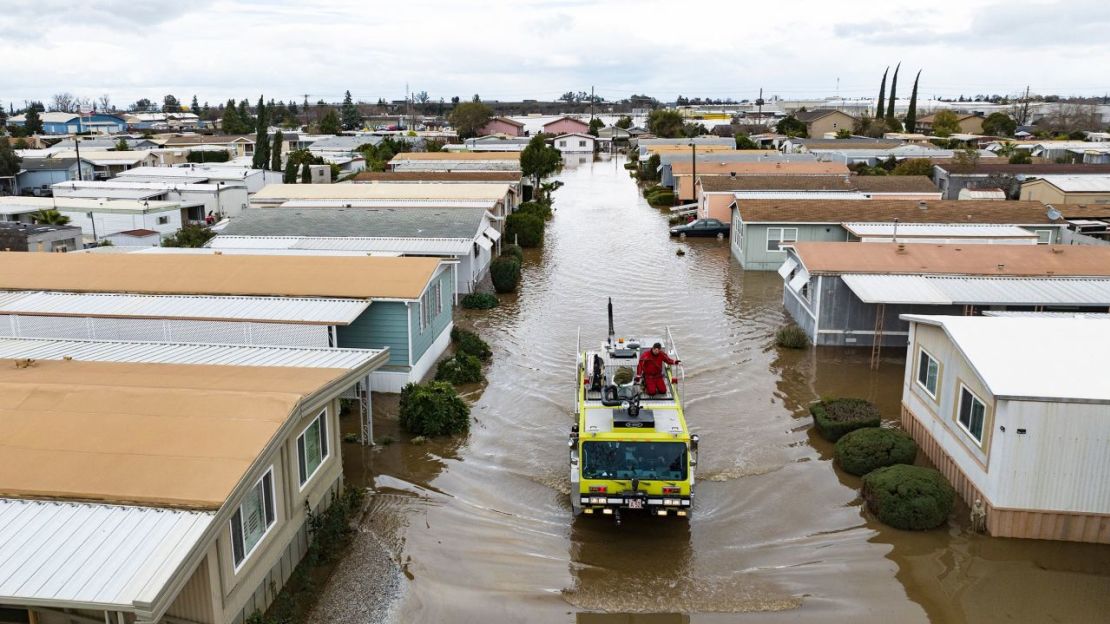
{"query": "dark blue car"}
{"type": "Point", "coordinates": [701, 227]}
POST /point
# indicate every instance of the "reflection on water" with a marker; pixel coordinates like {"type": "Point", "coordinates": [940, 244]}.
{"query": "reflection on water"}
{"type": "Point", "coordinates": [483, 527]}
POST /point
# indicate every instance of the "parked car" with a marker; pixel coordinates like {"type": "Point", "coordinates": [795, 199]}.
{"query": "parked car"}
{"type": "Point", "coordinates": [701, 227]}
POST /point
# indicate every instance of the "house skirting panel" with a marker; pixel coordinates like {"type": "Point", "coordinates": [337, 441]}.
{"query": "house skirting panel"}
{"type": "Point", "coordinates": [1004, 522]}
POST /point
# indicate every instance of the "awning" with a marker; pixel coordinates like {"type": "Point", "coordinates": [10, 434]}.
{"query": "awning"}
{"type": "Point", "coordinates": [966, 290]}
{"type": "Point", "coordinates": [493, 234]}
{"type": "Point", "coordinates": [801, 279]}
{"type": "Point", "coordinates": [484, 243]}
{"type": "Point", "coordinates": [787, 267]}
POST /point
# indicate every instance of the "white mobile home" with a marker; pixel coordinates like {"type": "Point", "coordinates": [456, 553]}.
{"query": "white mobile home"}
{"type": "Point", "coordinates": [98, 218]}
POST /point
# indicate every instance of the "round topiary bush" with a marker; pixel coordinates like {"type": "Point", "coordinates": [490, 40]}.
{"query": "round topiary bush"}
{"type": "Point", "coordinates": [513, 251]}
{"type": "Point", "coordinates": [792, 337]}
{"type": "Point", "coordinates": [909, 497]}
{"type": "Point", "coordinates": [433, 409]}
{"type": "Point", "coordinates": [836, 417]}
{"type": "Point", "coordinates": [468, 342]}
{"type": "Point", "coordinates": [525, 229]}
{"type": "Point", "coordinates": [462, 368]}
{"type": "Point", "coordinates": [505, 273]}
{"type": "Point", "coordinates": [863, 450]}
{"type": "Point", "coordinates": [479, 301]}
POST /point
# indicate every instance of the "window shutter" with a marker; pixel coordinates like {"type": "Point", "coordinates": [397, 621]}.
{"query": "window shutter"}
{"type": "Point", "coordinates": [323, 435]}
{"type": "Point", "coordinates": [237, 537]}
{"type": "Point", "coordinates": [302, 470]}
{"type": "Point", "coordinates": [268, 498]}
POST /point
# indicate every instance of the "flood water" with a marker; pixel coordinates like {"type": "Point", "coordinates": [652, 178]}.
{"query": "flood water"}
{"type": "Point", "coordinates": [482, 526]}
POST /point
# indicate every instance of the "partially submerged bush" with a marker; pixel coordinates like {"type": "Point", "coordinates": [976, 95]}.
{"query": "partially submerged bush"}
{"type": "Point", "coordinates": [836, 417]}
{"type": "Point", "coordinates": [792, 337]}
{"type": "Point", "coordinates": [909, 497]}
{"type": "Point", "coordinates": [505, 273]}
{"type": "Point", "coordinates": [462, 368]}
{"type": "Point", "coordinates": [468, 342]}
{"type": "Point", "coordinates": [863, 450]}
{"type": "Point", "coordinates": [662, 198]}
{"type": "Point", "coordinates": [512, 251]}
{"type": "Point", "coordinates": [525, 229]}
{"type": "Point", "coordinates": [655, 188]}
{"type": "Point", "coordinates": [540, 209]}
{"type": "Point", "coordinates": [479, 301]}
{"type": "Point", "coordinates": [433, 409]}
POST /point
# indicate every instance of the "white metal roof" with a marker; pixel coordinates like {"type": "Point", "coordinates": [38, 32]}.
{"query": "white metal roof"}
{"type": "Point", "coordinates": [205, 251]}
{"type": "Point", "coordinates": [964, 290]}
{"type": "Point", "coordinates": [19, 205]}
{"type": "Point", "coordinates": [69, 554]}
{"type": "Point", "coordinates": [434, 246]}
{"type": "Point", "coordinates": [488, 204]}
{"type": "Point", "coordinates": [183, 353]}
{"type": "Point", "coordinates": [1016, 313]}
{"type": "Point", "coordinates": [1079, 183]}
{"type": "Point", "coordinates": [945, 230]}
{"type": "Point", "coordinates": [317, 311]}
{"type": "Point", "coordinates": [1056, 359]}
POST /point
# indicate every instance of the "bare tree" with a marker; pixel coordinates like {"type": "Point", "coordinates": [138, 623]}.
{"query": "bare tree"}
{"type": "Point", "coordinates": [1019, 109]}
{"type": "Point", "coordinates": [63, 102]}
{"type": "Point", "coordinates": [104, 102]}
{"type": "Point", "coordinates": [1072, 117]}
{"type": "Point", "coordinates": [84, 103]}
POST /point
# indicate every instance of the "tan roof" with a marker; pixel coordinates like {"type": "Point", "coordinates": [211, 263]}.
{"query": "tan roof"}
{"type": "Point", "coordinates": [491, 192]}
{"type": "Point", "coordinates": [289, 276]}
{"type": "Point", "coordinates": [456, 156]}
{"type": "Point", "coordinates": [761, 168]}
{"type": "Point", "coordinates": [162, 434]}
{"type": "Point", "coordinates": [438, 176]}
{"type": "Point", "coordinates": [1084, 211]}
{"type": "Point", "coordinates": [871, 184]}
{"type": "Point", "coordinates": [667, 148]}
{"type": "Point", "coordinates": [918, 258]}
{"type": "Point", "coordinates": [885, 210]}
{"type": "Point", "coordinates": [206, 139]}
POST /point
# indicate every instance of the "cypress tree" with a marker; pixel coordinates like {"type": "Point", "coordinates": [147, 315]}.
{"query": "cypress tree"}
{"type": "Point", "coordinates": [893, 92]}
{"type": "Point", "coordinates": [290, 176]}
{"type": "Point", "coordinates": [879, 110]}
{"type": "Point", "coordinates": [194, 108]}
{"type": "Point", "coordinates": [306, 174]}
{"type": "Point", "coordinates": [275, 156]}
{"type": "Point", "coordinates": [261, 139]}
{"type": "Point", "coordinates": [911, 113]}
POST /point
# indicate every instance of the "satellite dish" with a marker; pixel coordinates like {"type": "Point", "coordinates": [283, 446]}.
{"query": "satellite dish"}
{"type": "Point", "coordinates": [1053, 213]}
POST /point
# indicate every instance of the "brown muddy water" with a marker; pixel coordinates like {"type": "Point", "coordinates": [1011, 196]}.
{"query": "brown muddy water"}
{"type": "Point", "coordinates": [482, 528]}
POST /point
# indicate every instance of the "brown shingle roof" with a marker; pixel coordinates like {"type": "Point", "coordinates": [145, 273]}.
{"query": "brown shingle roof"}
{"type": "Point", "coordinates": [207, 139]}
{"type": "Point", "coordinates": [1041, 169]}
{"type": "Point", "coordinates": [922, 258]}
{"type": "Point", "coordinates": [438, 176]}
{"type": "Point", "coordinates": [885, 210]}
{"type": "Point", "coordinates": [867, 184]}
{"type": "Point", "coordinates": [761, 168]}
{"type": "Point", "coordinates": [814, 115]}
{"type": "Point", "coordinates": [456, 156]}
{"type": "Point", "coordinates": [1084, 211]}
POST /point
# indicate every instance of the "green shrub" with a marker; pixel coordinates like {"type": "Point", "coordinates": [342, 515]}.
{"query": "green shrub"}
{"type": "Point", "coordinates": [505, 273]}
{"type": "Point", "coordinates": [863, 450]}
{"type": "Point", "coordinates": [462, 368]}
{"type": "Point", "coordinates": [513, 251]}
{"type": "Point", "coordinates": [836, 417]}
{"type": "Point", "coordinates": [665, 198]}
{"type": "Point", "coordinates": [433, 409]}
{"type": "Point", "coordinates": [909, 497]}
{"type": "Point", "coordinates": [479, 301]}
{"type": "Point", "coordinates": [792, 337]}
{"type": "Point", "coordinates": [541, 210]}
{"type": "Point", "coordinates": [468, 342]}
{"type": "Point", "coordinates": [655, 188]}
{"type": "Point", "coordinates": [524, 229]}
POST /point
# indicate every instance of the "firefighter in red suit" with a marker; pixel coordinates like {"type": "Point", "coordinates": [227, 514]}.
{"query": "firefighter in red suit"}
{"type": "Point", "coordinates": [650, 369]}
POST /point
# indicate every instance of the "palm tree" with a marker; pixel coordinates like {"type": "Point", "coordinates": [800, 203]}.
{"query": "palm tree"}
{"type": "Point", "coordinates": [1007, 149]}
{"type": "Point", "coordinates": [50, 216]}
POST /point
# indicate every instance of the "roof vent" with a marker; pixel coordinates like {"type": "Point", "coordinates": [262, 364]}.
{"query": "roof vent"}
{"type": "Point", "coordinates": [922, 205]}
{"type": "Point", "coordinates": [901, 248]}
{"type": "Point", "coordinates": [217, 253]}
{"type": "Point", "coordinates": [1001, 267]}
{"type": "Point", "coordinates": [732, 174]}
{"type": "Point", "coordinates": [1057, 250]}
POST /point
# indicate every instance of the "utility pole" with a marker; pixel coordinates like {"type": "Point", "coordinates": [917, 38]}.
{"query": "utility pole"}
{"type": "Point", "coordinates": [694, 170]}
{"type": "Point", "coordinates": [305, 108]}
{"type": "Point", "coordinates": [591, 103]}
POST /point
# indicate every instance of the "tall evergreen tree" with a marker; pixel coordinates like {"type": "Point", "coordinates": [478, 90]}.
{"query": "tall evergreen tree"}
{"type": "Point", "coordinates": [230, 121]}
{"type": "Point", "coordinates": [911, 113]}
{"type": "Point", "coordinates": [261, 138]}
{"type": "Point", "coordinates": [349, 114]}
{"type": "Point", "coordinates": [194, 108]}
{"type": "Point", "coordinates": [290, 176]}
{"type": "Point", "coordinates": [893, 92]}
{"type": "Point", "coordinates": [879, 110]}
{"type": "Point", "coordinates": [306, 174]}
{"type": "Point", "coordinates": [275, 151]}
{"type": "Point", "coordinates": [9, 160]}
{"type": "Point", "coordinates": [246, 122]}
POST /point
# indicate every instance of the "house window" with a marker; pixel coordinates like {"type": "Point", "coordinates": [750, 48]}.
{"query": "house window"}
{"type": "Point", "coordinates": [163, 220]}
{"type": "Point", "coordinates": [581, 144]}
{"type": "Point", "coordinates": [312, 447]}
{"type": "Point", "coordinates": [1044, 237]}
{"type": "Point", "coordinates": [253, 519]}
{"type": "Point", "coordinates": [431, 304]}
{"type": "Point", "coordinates": [927, 372]}
{"type": "Point", "coordinates": [738, 235]}
{"type": "Point", "coordinates": [777, 237]}
{"type": "Point", "coordinates": [972, 413]}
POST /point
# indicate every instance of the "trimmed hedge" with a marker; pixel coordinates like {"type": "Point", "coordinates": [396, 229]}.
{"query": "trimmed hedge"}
{"type": "Point", "coordinates": [505, 273]}
{"type": "Point", "coordinates": [909, 497]}
{"type": "Point", "coordinates": [433, 409]}
{"type": "Point", "coordinates": [836, 417]}
{"type": "Point", "coordinates": [468, 342]}
{"type": "Point", "coordinates": [541, 210]}
{"type": "Point", "coordinates": [512, 251]}
{"type": "Point", "coordinates": [525, 229]}
{"type": "Point", "coordinates": [462, 368]}
{"type": "Point", "coordinates": [479, 301]}
{"type": "Point", "coordinates": [663, 198]}
{"type": "Point", "coordinates": [792, 337]}
{"type": "Point", "coordinates": [863, 450]}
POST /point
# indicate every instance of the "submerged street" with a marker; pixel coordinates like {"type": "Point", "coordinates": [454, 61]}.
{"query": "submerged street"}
{"type": "Point", "coordinates": [479, 529]}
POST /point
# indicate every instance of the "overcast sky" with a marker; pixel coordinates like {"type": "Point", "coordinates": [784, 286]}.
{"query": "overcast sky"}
{"type": "Point", "coordinates": [538, 49]}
